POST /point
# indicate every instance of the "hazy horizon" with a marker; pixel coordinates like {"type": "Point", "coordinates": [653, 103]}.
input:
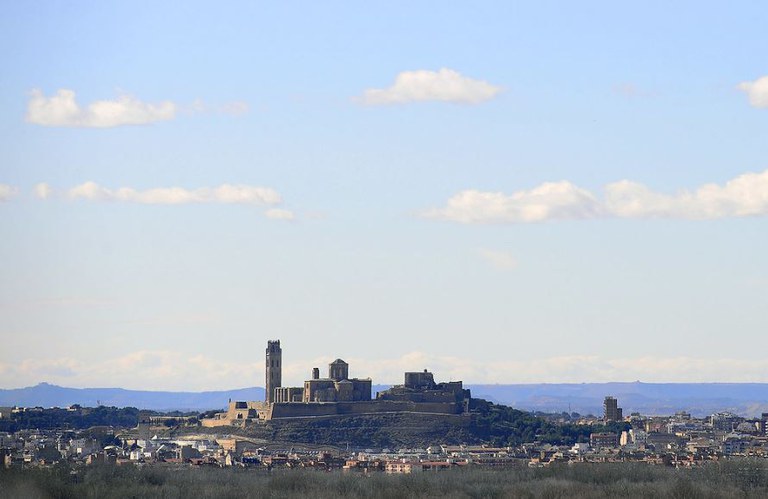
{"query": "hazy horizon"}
{"type": "Point", "coordinates": [497, 192]}
{"type": "Point", "coordinates": [377, 384]}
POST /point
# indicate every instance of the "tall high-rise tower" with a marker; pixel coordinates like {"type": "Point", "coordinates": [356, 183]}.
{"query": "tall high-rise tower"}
{"type": "Point", "coordinates": [611, 411]}
{"type": "Point", "coordinates": [274, 369]}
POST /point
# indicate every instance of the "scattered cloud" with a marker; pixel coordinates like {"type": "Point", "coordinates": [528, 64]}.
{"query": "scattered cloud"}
{"type": "Point", "coordinates": [225, 193]}
{"type": "Point", "coordinates": [174, 370]}
{"type": "Point", "coordinates": [7, 192]}
{"type": "Point", "coordinates": [745, 195]}
{"type": "Point", "coordinates": [234, 108]}
{"type": "Point", "coordinates": [444, 85]}
{"type": "Point", "coordinates": [549, 201]}
{"type": "Point", "coordinates": [44, 305]}
{"type": "Point", "coordinates": [50, 368]}
{"type": "Point", "coordinates": [62, 110]}
{"type": "Point", "coordinates": [279, 214]}
{"type": "Point", "coordinates": [176, 319]}
{"type": "Point", "coordinates": [631, 91]}
{"type": "Point", "coordinates": [501, 260]}
{"type": "Point", "coordinates": [757, 91]}
{"type": "Point", "coordinates": [560, 369]}
{"type": "Point", "coordinates": [43, 191]}
{"type": "Point", "coordinates": [139, 370]}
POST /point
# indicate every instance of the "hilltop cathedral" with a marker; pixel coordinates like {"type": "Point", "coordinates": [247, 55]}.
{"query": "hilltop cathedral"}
{"type": "Point", "coordinates": [339, 395]}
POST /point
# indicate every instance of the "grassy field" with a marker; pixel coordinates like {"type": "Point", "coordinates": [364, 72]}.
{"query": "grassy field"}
{"type": "Point", "coordinates": [743, 478]}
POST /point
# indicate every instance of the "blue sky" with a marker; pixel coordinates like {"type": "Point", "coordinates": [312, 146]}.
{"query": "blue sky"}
{"type": "Point", "coordinates": [499, 192]}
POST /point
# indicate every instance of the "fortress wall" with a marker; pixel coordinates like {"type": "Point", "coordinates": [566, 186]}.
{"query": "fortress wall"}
{"type": "Point", "coordinates": [294, 410]}
{"type": "Point", "coordinates": [407, 394]}
{"type": "Point", "coordinates": [212, 423]}
{"type": "Point", "coordinates": [374, 406]}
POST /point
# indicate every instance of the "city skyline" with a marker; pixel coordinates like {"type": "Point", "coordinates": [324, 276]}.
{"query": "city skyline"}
{"type": "Point", "coordinates": [498, 193]}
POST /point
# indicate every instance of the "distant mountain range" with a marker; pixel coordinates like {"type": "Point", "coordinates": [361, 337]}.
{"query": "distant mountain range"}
{"type": "Point", "coordinates": [700, 399]}
{"type": "Point", "coordinates": [47, 395]}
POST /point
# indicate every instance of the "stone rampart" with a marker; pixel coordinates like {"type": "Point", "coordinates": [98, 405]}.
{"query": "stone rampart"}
{"type": "Point", "coordinates": [297, 410]}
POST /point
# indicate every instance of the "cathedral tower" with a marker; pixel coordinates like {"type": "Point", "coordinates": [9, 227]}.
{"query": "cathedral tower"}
{"type": "Point", "coordinates": [274, 369]}
{"type": "Point", "coordinates": [338, 370]}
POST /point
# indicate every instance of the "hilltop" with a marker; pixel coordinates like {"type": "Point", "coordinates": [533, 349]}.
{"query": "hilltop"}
{"type": "Point", "coordinates": [488, 423]}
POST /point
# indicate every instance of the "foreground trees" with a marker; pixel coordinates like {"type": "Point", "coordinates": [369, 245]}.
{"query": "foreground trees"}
{"type": "Point", "coordinates": [737, 478]}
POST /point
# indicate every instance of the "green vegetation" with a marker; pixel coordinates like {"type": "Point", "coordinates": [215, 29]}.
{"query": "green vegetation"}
{"type": "Point", "coordinates": [500, 425]}
{"type": "Point", "coordinates": [743, 478]}
{"type": "Point", "coordinates": [86, 417]}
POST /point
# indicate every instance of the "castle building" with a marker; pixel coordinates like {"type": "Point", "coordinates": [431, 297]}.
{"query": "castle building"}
{"type": "Point", "coordinates": [420, 387]}
{"type": "Point", "coordinates": [339, 394]}
{"type": "Point", "coordinates": [337, 387]}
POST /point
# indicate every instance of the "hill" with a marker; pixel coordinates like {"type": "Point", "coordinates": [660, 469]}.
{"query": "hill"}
{"type": "Point", "coordinates": [488, 423]}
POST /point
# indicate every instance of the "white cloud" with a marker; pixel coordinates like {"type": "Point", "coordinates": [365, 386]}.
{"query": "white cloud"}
{"type": "Point", "coordinates": [234, 108]}
{"type": "Point", "coordinates": [549, 201]}
{"type": "Point", "coordinates": [561, 369]}
{"type": "Point", "coordinates": [279, 214]}
{"type": "Point", "coordinates": [631, 91]}
{"type": "Point", "coordinates": [757, 91]}
{"type": "Point", "coordinates": [745, 195]}
{"type": "Point", "coordinates": [444, 85]}
{"type": "Point", "coordinates": [139, 370]}
{"type": "Point", "coordinates": [43, 191]}
{"type": "Point", "coordinates": [501, 260]}
{"type": "Point", "coordinates": [44, 305]}
{"type": "Point", "coordinates": [225, 193]}
{"type": "Point", "coordinates": [50, 368]}
{"type": "Point", "coordinates": [174, 370]}
{"type": "Point", "coordinates": [7, 192]}
{"type": "Point", "coordinates": [62, 110]}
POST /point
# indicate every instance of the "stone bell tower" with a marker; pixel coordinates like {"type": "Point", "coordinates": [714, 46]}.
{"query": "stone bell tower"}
{"type": "Point", "coordinates": [274, 369]}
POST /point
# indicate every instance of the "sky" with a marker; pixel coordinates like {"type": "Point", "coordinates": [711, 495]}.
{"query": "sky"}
{"type": "Point", "coordinates": [499, 192]}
